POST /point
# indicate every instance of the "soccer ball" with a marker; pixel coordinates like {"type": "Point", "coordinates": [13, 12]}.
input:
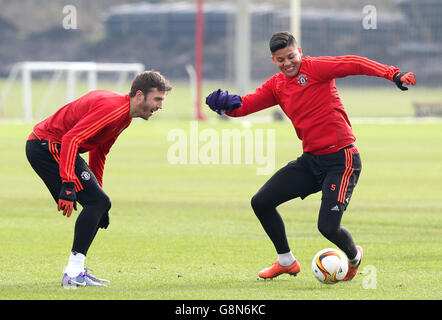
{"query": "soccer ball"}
{"type": "Point", "coordinates": [330, 266]}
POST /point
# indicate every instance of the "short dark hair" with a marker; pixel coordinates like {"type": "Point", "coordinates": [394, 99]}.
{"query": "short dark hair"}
{"type": "Point", "coordinates": [281, 40]}
{"type": "Point", "coordinates": [147, 80]}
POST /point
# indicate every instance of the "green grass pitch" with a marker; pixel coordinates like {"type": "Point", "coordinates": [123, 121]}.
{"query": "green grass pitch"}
{"type": "Point", "coordinates": [188, 231]}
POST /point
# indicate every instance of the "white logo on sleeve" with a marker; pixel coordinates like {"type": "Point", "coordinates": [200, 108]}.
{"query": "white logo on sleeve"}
{"type": "Point", "coordinates": [85, 175]}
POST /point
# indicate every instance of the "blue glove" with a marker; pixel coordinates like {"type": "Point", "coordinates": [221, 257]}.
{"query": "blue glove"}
{"type": "Point", "coordinates": [221, 101]}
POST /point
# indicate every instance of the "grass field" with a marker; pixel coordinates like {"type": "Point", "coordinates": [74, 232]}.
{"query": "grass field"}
{"type": "Point", "coordinates": [188, 231]}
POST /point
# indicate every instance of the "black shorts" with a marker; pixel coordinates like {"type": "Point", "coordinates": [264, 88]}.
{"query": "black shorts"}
{"type": "Point", "coordinates": [335, 174]}
{"type": "Point", "coordinates": [44, 157]}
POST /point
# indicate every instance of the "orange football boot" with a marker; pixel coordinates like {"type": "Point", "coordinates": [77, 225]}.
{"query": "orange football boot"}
{"type": "Point", "coordinates": [353, 269]}
{"type": "Point", "coordinates": [276, 269]}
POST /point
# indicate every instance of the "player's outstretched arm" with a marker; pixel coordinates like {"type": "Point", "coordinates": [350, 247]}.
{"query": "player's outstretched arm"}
{"type": "Point", "coordinates": [222, 101]}
{"type": "Point", "coordinates": [404, 77]}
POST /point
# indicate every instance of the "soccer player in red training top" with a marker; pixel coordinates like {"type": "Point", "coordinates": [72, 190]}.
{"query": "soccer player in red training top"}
{"type": "Point", "coordinates": [91, 124]}
{"type": "Point", "coordinates": [305, 89]}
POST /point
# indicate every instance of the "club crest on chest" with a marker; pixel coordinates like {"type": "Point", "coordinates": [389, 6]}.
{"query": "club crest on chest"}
{"type": "Point", "coordinates": [302, 79]}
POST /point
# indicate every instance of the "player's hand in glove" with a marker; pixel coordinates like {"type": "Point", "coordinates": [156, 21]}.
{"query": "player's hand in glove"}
{"type": "Point", "coordinates": [404, 77]}
{"type": "Point", "coordinates": [221, 101]}
{"type": "Point", "coordinates": [67, 200]}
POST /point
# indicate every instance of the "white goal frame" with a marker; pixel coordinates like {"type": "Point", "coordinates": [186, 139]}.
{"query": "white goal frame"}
{"type": "Point", "coordinates": [71, 68]}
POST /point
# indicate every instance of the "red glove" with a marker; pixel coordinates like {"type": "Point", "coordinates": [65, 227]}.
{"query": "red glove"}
{"type": "Point", "coordinates": [67, 200]}
{"type": "Point", "coordinates": [404, 77]}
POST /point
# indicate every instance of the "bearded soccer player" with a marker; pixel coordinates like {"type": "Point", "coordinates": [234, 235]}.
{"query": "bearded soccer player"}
{"type": "Point", "coordinates": [305, 90]}
{"type": "Point", "coordinates": [91, 124]}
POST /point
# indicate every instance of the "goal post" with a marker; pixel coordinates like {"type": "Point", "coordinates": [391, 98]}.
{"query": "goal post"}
{"type": "Point", "coordinates": [199, 58]}
{"type": "Point", "coordinates": [72, 69]}
{"type": "Point", "coordinates": [295, 20]}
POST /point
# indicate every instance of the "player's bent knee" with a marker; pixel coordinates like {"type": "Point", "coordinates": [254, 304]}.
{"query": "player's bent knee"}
{"type": "Point", "coordinates": [327, 230]}
{"type": "Point", "coordinates": [99, 200]}
{"type": "Point", "coordinates": [105, 201]}
{"type": "Point", "coordinates": [258, 203]}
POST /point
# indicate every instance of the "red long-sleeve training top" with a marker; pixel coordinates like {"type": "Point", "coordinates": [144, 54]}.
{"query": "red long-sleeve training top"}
{"type": "Point", "coordinates": [91, 124]}
{"type": "Point", "coordinates": [311, 100]}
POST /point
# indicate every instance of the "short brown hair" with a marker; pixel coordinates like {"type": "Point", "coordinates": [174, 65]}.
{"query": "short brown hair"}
{"type": "Point", "coordinates": [147, 80]}
{"type": "Point", "coordinates": [281, 40]}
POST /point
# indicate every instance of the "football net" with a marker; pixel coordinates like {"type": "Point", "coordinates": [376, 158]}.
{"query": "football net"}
{"type": "Point", "coordinates": [36, 89]}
